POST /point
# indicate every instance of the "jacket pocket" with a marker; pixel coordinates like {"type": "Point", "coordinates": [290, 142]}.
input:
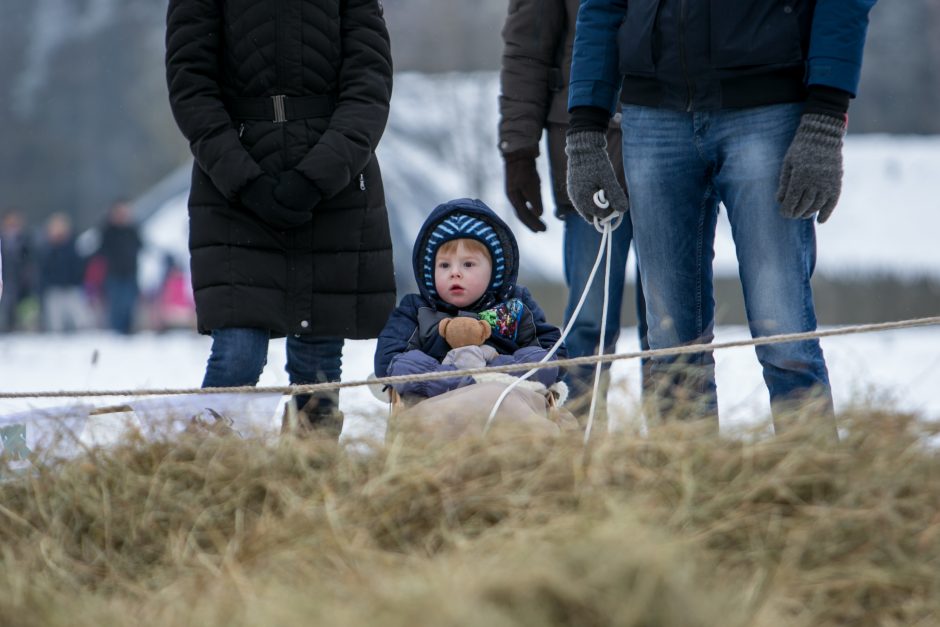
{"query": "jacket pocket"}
{"type": "Point", "coordinates": [749, 33]}
{"type": "Point", "coordinates": [364, 191]}
{"type": "Point", "coordinates": [635, 38]}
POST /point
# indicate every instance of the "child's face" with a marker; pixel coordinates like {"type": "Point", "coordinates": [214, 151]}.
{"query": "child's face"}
{"type": "Point", "coordinates": [462, 275]}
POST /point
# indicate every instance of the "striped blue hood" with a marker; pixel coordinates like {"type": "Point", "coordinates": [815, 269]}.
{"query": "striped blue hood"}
{"type": "Point", "coordinates": [472, 219]}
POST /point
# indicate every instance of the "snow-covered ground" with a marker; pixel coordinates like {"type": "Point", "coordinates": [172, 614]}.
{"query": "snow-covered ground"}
{"type": "Point", "coordinates": [899, 369]}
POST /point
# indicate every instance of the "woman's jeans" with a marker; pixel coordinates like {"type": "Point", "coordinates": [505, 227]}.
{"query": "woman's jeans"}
{"type": "Point", "coordinates": [239, 355]}
{"type": "Point", "coordinates": [679, 166]}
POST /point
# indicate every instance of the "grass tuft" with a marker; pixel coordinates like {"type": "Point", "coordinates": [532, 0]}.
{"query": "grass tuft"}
{"type": "Point", "coordinates": [677, 527]}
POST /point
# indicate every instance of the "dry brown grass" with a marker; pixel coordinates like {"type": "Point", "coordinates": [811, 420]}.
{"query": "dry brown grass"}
{"type": "Point", "coordinates": [673, 528]}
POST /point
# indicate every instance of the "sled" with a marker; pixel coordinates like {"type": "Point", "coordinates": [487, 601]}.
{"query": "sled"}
{"type": "Point", "coordinates": [464, 411]}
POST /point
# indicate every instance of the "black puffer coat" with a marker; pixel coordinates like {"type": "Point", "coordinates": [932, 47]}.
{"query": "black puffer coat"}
{"type": "Point", "coordinates": [332, 276]}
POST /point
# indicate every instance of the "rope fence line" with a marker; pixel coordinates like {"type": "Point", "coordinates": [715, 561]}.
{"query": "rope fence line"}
{"type": "Point", "coordinates": [560, 363]}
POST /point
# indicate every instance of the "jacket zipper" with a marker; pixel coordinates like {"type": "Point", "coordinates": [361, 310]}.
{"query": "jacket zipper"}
{"type": "Point", "coordinates": [682, 53]}
{"type": "Point", "coordinates": [362, 182]}
{"type": "Point", "coordinates": [241, 130]}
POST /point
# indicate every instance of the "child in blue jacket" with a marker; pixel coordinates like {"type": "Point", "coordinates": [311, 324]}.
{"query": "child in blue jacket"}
{"type": "Point", "coordinates": [466, 262]}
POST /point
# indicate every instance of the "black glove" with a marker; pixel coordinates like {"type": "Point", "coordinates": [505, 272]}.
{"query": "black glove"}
{"type": "Point", "coordinates": [811, 176]}
{"type": "Point", "coordinates": [258, 197]}
{"type": "Point", "coordinates": [524, 187]}
{"type": "Point", "coordinates": [295, 191]}
{"type": "Point", "coordinates": [590, 171]}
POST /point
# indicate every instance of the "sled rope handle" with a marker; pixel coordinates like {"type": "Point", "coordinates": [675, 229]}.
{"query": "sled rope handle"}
{"type": "Point", "coordinates": [608, 229]}
{"type": "Point", "coordinates": [605, 227]}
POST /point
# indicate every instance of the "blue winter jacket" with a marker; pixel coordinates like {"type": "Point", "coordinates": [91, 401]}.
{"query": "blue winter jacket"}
{"type": "Point", "coordinates": [410, 342]}
{"type": "Point", "coordinates": [699, 55]}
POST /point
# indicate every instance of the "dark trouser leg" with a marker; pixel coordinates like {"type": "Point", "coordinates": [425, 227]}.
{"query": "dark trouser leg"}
{"type": "Point", "coordinates": [237, 358]}
{"type": "Point", "coordinates": [316, 360]}
{"type": "Point", "coordinates": [122, 300]}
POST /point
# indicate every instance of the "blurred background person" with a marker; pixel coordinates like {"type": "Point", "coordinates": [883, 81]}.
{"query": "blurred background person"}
{"type": "Point", "coordinates": [18, 272]}
{"type": "Point", "coordinates": [173, 305]}
{"type": "Point", "coordinates": [120, 245]}
{"type": "Point", "coordinates": [63, 302]}
{"type": "Point", "coordinates": [93, 284]}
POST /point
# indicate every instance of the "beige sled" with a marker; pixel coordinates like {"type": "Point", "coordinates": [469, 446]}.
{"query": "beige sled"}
{"type": "Point", "coordinates": [529, 407]}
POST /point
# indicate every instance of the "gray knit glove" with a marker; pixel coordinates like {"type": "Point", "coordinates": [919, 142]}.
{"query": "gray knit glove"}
{"type": "Point", "coordinates": [811, 177]}
{"type": "Point", "coordinates": [590, 171]}
{"type": "Point", "coordinates": [467, 357]}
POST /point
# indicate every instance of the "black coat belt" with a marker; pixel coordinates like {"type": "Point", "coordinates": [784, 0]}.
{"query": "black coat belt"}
{"type": "Point", "coordinates": [280, 108]}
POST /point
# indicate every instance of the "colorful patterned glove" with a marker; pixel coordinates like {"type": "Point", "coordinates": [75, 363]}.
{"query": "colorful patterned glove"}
{"type": "Point", "coordinates": [504, 318]}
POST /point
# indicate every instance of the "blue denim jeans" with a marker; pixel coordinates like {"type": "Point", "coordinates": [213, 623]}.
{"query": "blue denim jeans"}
{"type": "Point", "coordinates": [239, 355]}
{"type": "Point", "coordinates": [582, 241]}
{"type": "Point", "coordinates": [679, 166]}
{"type": "Point", "coordinates": [122, 300]}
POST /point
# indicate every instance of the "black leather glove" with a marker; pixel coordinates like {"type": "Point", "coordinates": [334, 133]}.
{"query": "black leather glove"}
{"type": "Point", "coordinates": [811, 176]}
{"type": "Point", "coordinates": [524, 187]}
{"type": "Point", "coordinates": [295, 191]}
{"type": "Point", "coordinates": [590, 171]}
{"type": "Point", "coordinates": [258, 197]}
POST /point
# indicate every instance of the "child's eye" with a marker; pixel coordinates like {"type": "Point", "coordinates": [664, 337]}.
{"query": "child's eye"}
{"type": "Point", "coordinates": [443, 265]}
{"type": "Point", "coordinates": [469, 264]}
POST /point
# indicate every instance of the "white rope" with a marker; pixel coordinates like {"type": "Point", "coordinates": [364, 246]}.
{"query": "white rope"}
{"type": "Point", "coordinates": [430, 376]}
{"type": "Point", "coordinates": [605, 229]}
{"type": "Point", "coordinates": [603, 338]}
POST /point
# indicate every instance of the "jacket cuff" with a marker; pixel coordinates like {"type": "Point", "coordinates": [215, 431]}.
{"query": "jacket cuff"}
{"type": "Point", "coordinates": [835, 73]}
{"type": "Point", "coordinates": [826, 100]}
{"type": "Point", "coordinates": [527, 153]}
{"type": "Point", "coordinates": [588, 119]}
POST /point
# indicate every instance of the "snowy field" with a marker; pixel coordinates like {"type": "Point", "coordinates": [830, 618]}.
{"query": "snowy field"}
{"type": "Point", "coordinates": [899, 369]}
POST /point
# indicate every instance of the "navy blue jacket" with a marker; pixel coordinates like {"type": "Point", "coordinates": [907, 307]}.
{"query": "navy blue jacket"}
{"type": "Point", "coordinates": [411, 344]}
{"type": "Point", "coordinates": [699, 55]}
{"type": "Point", "coordinates": [61, 266]}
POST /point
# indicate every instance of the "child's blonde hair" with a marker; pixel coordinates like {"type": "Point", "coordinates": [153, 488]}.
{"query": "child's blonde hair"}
{"type": "Point", "coordinates": [473, 245]}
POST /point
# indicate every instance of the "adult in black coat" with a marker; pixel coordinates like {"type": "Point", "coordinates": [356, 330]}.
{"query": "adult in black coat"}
{"type": "Point", "coordinates": [283, 104]}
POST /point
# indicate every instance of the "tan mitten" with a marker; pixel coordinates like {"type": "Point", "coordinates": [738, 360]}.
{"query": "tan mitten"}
{"type": "Point", "coordinates": [462, 331]}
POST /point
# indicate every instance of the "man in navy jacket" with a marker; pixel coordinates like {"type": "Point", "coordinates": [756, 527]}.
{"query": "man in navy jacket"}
{"type": "Point", "coordinates": [739, 102]}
